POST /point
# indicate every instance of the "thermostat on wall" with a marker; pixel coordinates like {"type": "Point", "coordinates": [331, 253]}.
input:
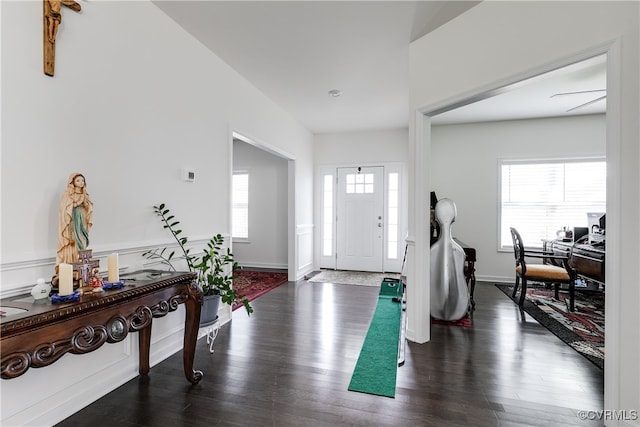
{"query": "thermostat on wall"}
{"type": "Point", "coordinates": [189, 175]}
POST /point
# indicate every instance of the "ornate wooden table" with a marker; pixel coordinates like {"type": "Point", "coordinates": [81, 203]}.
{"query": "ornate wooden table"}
{"type": "Point", "coordinates": [36, 333]}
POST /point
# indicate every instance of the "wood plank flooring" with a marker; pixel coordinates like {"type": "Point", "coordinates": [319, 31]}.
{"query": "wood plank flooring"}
{"type": "Point", "coordinates": [290, 363]}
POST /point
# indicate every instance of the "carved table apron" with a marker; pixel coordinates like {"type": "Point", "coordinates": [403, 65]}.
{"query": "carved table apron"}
{"type": "Point", "coordinates": [44, 332]}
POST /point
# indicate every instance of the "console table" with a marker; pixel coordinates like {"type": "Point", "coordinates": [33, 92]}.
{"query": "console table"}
{"type": "Point", "coordinates": [36, 333]}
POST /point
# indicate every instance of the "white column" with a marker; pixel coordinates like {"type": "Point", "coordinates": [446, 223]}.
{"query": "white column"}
{"type": "Point", "coordinates": [418, 302]}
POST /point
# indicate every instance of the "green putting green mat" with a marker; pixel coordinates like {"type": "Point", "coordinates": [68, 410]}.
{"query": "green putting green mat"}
{"type": "Point", "coordinates": [376, 368]}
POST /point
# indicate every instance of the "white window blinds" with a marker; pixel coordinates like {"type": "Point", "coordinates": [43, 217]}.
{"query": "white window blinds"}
{"type": "Point", "coordinates": [538, 198]}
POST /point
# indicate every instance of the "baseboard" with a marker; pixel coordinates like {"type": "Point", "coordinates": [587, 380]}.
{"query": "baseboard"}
{"type": "Point", "coordinates": [495, 279]}
{"type": "Point", "coordinates": [301, 274]}
{"type": "Point", "coordinates": [274, 266]}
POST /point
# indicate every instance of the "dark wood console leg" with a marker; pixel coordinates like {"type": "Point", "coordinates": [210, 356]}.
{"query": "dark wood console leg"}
{"type": "Point", "coordinates": [473, 289]}
{"type": "Point", "coordinates": [191, 325]}
{"type": "Point", "coordinates": [144, 342]}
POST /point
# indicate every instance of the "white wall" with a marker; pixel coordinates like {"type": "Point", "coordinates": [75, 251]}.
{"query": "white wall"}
{"type": "Point", "coordinates": [267, 243]}
{"type": "Point", "coordinates": [352, 148]}
{"type": "Point", "coordinates": [134, 100]}
{"type": "Point", "coordinates": [464, 168]}
{"type": "Point", "coordinates": [497, 43]}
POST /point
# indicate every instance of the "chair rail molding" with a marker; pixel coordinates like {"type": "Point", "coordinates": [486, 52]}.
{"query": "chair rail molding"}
{"type": "Point", "coordinates": [19, 276]}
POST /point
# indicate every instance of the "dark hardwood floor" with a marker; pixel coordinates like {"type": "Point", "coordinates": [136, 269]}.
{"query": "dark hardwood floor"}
{"type": "Point", "coordinates": [290, 363]}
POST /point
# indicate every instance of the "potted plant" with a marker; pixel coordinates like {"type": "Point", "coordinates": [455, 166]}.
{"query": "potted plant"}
{"type": "Point", "coordinates": [214, 267]}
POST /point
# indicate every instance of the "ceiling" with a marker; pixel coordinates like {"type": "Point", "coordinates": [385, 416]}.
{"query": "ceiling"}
{"type": "Point", "coordinates": [295, 52]}
{"type": "Point", "coordinates": [576, 89]}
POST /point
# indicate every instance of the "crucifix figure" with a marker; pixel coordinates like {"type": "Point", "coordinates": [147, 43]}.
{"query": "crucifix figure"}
{"type": "Point", "coordinates": [52, 19]}
{"type": "Point", "coordinates": [85, 266]}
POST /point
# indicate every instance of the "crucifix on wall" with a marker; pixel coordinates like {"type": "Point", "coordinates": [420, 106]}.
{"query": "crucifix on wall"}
{"type": "Point", "coordinates": [52, 18]}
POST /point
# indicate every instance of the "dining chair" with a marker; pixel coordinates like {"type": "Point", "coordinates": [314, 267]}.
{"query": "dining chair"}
{"type": "Point", "coordinates": [541, 272]}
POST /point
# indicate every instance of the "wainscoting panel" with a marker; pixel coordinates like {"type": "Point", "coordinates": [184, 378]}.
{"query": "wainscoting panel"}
{"type": "Point", "coordinates": [304, 242]}
{"type": "Point", "coordinates": [58, 391]}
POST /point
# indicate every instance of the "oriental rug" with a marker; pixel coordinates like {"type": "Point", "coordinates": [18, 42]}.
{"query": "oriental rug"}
{"type": "Point", "coordinates": [582, 330]}
{"type": "Point", "coordinates": [253, 284]}
{"type": "Point", "coordinates": [376, 369]}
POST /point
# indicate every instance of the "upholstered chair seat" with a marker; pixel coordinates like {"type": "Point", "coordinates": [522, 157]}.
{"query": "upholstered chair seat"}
{"type": "Point", "coordinates": [545, 272]}
{"type": "Point", "coordinates": [550, 273]}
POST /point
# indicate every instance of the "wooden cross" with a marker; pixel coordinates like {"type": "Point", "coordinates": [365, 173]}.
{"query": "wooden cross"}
{"type": "Point", "coordinates": [52, 18]}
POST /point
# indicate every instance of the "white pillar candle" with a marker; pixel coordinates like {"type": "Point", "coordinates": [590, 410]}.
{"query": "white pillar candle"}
{"type": "Point", "coordinates": [65, 279]}
{"type": "Point", "coordinates": [112, 265]}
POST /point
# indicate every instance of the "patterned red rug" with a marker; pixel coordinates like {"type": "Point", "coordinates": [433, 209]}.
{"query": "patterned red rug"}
{"type": "Point", "coordinates": [253, 284]}
{"type": "Point", "coordinates": [582, 329]}
{"type": "Point", "coordinates": [465, 322]}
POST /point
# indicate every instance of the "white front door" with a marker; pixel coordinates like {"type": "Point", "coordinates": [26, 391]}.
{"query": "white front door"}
{"type": "Point", "coordinates": [360, 220]}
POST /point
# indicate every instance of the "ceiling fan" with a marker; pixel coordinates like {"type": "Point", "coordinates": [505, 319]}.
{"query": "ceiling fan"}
{"type": "Point", "coordinates": [593, 101]}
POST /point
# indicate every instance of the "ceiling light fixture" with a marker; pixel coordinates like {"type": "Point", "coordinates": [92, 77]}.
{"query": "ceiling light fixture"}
{"type": "Point", "coordinates": [335, 93]}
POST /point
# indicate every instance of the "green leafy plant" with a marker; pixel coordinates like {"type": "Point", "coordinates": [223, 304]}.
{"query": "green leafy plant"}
{"type": "Point", "coordinates": [214, 267]}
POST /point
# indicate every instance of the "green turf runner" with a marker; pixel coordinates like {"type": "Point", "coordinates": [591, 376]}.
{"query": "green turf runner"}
{"type": "Point", "coordinates": [375, 371]}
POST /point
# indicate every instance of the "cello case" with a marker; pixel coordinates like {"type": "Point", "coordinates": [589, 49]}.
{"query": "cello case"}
{"type": "Point", "coordinates": [449, 291]}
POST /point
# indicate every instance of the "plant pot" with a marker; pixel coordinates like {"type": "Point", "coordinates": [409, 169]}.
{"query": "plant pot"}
{"type": "Point", "coordinates": [209, 312]}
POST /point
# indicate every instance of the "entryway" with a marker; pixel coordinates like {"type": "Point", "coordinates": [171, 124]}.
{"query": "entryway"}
{"type": "Point", "coordinates": [362, 217]}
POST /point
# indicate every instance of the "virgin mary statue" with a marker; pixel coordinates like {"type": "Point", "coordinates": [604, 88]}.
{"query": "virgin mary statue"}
{"type": "Point", "coordinates": [75, 218]}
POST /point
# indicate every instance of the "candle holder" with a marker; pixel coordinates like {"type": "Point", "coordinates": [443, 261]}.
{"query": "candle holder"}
{"type": "Point", "coordinates": [57, 299]}
{"type": "Point", "coordinates": [112, 285]}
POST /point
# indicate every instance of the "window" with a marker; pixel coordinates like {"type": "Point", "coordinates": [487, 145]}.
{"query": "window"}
{"type": "Point", "coordinates": [360, 183]}
{"type": "Point", "coordinates": [240, 206]}
{"type": "Point", "coordinates": [327, 215]}
{"type": "Point", "coordinates": [392, 215]}
{"type": "Point", "coordinates": [540, 197]}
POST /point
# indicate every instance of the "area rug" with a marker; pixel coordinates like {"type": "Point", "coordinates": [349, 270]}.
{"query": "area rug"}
{"type": "Point", "coordinates": [343, 277]}
{"type": "Point", "coordinates": [253, 284]}
{"type": "Point", "coordinates": [582, 329]}
{"type": "Point", "coordinates": [376, 369]}
{"type": "Point", "coordinates": [465, 322]}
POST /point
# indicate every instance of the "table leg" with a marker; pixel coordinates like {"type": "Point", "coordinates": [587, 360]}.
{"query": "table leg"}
{"type": "Point", "coordinates": [191, 325]}
{"type": "Point", "coordinates": [472, 268]}
{"type": "Point", "coordinates": [144, 342]}
{"type": "Point", "coordinates": [470, 276]}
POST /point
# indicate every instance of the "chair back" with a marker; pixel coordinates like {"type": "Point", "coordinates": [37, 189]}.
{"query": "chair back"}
{"type": "Point", "coordinates": [518, 248]}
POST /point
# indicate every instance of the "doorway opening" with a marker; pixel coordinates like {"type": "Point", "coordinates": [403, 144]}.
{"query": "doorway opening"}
{"type": "Point", "coordinates": [262, 212]}
{"type": "Point", "coordinates": [424, 120]}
